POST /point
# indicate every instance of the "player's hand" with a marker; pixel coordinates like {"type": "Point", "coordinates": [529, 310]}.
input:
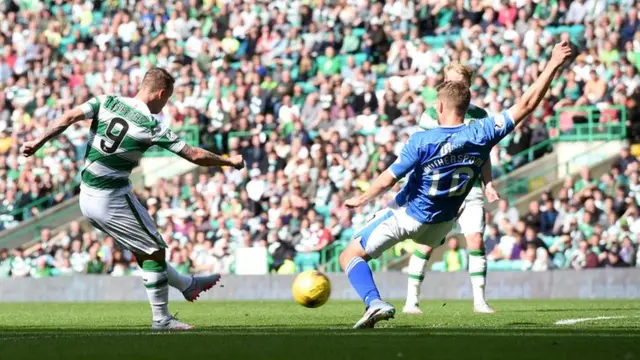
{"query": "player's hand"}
{"type": "Point", "coordinates": [29, 148]}
{"type": "Point", "coordinates": [237, 162]}
{"type": "Point", "coordinates": [354, 202]}
{"type": "Point", "coordinates": [560, 53]}
{"type": "Point", "coordinates": [491, 193]}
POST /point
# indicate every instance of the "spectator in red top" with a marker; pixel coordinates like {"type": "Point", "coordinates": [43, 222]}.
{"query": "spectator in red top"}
{"type": "Point", "coordinates": [10, 56]}
{"type": "Point", "coordinates": [76, 79]}
{"type": "Point", "coordinates": [507, 14]}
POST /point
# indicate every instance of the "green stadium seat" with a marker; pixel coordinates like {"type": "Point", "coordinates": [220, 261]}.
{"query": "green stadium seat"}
{"type": "Point", "coordinates": [548, 240]}
{"type": "Point", "coordinates": [438, 266]}
{"type": "Point", "coordinates": [505, 265]}
{"type": "Point", "coordinates": [97, 18]}
{"type": "Point", "coordinates": [368, 132]}
{"type": "Point", "coordinates": [360, 58]}
{"type": "Point", "coordinates": [307, 87]}
{"type": "Point", "coordinates": [320, 60]}
{"type": "Point", "coordinates": [323, 210]}
{"type": "Point", "coordinates": [576, 32]}
{"type": "Point", "coordinates": [358, 32]}
{"type": "Point", "coordinates": [347, 234]}
{"type": "Point", "coordinates": [294, 72]}
{"type": "Point", "coordinates": [439, 41]}
{"type": "Point", "coordinates": [307, 261]}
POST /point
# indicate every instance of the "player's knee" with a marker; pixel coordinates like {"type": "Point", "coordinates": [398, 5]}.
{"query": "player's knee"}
{"type": "Point", "coordinates": [158, 255]}
{"type": "Point", "coordinates": [424, 249]}
{"type": "Point", "coordinates": [349, 253]}
{"type": "Point", "coordinates": [474, 241]}
{"type": "Point", "coordinates": [345, 257]}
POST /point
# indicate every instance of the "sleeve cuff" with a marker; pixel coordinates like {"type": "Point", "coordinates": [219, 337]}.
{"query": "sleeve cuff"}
{"type": "Point", "coordinates": [87, 110]}
{"type": "Point", "coordinates": [508, 117]}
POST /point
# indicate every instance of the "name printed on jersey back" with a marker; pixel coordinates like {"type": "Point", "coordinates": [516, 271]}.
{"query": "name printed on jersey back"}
{"type": "Point", "coordinates": [114, 105]}
{"type": "Point", "coordinates": [461, 159]}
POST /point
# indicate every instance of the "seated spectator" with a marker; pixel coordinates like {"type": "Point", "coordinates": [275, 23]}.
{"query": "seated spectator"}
{"type": "Point", "coordinates": [455, 257]}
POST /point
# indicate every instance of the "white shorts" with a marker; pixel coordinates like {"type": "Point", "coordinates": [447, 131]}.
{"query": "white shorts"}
{"type": "Point", "coordinates": [471, 219]}
{"type": "Point", "coordinates": [393, 225]}
{"type": "Point", "coordinates": [122, 217]}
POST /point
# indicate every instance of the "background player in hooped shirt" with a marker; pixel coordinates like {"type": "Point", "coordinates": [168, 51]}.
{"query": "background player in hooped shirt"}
{"type": "Point", "coordinates": [471, 221]}
{"type": "Point", "coordinates": [444, 163]}
{"type": "Point", "coordinates": [122, 129]}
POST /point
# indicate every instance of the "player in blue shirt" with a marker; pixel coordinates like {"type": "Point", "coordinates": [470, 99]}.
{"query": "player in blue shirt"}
{"type": "Point", "coordinates": [442, 165]}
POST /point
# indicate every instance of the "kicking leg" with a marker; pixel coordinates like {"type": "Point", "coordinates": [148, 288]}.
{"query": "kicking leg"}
{"type": "Point", "coordinates": [417, 269]}
{"type": "Point", "coordinates": [191, 287]}
{"type": "Point", "coordinates": [354, 261]}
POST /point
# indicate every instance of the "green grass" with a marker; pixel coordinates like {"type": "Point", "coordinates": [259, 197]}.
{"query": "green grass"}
{"type": "Point", "coordinates": [284, 330]}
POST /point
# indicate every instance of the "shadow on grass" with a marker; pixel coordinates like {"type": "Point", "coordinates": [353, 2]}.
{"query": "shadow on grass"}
{"type": "Point", "coordinates": [316, 343]}
{"type": "Point", "coordinates": [516, 329]}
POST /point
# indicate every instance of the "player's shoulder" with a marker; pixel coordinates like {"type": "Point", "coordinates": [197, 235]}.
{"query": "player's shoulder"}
{"type": "Point", "coordinates": [426, 137]}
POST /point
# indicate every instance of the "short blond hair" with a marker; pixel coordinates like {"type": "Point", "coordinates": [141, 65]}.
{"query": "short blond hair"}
{"type": "Point", "coordinates": [157, 79]}
{"type": "Point", "coordinates": [455, 95]}
{"type": "Point", "coordinates": [463, 70]}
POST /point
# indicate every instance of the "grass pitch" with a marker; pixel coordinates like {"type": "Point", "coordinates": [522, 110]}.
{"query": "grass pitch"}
{"type": "Point", "coordinates": [285, 330]}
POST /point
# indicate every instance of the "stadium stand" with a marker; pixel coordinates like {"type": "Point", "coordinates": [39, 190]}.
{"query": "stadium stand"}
{"type": "Point", "coordinates": [319, 98]}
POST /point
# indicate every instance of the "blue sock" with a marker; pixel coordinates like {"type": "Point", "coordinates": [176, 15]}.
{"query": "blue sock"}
{"type": "Point", "coordinates": [361, 279]}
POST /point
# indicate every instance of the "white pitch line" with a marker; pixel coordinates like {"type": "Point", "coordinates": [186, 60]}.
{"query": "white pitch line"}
{"type": "Point", "coordinates": [575, 321]}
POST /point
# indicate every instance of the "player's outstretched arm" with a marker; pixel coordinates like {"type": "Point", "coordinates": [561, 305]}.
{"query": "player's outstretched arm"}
{"type": "Point", "coordinates": [381, 184]}
{"type": "Point", "coordinates": [59, 126]}
{"type": "Point", "coordinates": [202, 157]}
{"type": "Point", "coordinates": [407, 161]}
{"type": "Point", "coordinates": [532, 97]}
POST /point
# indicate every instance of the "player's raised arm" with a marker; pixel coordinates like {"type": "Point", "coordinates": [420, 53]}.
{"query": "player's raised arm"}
{"type": "Point", "coordinates": [59, 126]}
{"type": "Point", "coordinates": [532, 97]}
{"type": "Point", "coordinates": [407, 161]}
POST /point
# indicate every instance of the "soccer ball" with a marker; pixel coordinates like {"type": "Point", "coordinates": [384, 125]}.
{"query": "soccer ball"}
{"type": "Point", "coordinates": [311, 289]}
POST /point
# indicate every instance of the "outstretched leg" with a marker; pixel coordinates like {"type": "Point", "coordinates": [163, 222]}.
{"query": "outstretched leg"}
{"type": "Point", "coordinates": [354, 261]}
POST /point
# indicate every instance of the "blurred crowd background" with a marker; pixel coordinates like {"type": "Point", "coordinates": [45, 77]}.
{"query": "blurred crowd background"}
{"type": "Point", "coordinates": [319, 96]}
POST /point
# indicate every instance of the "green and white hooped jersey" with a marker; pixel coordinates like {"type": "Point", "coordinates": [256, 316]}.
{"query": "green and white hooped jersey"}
{"type": "Point", "coordinates": [122, 129]}
{"type": "Point", "coordinates": [429, 120]}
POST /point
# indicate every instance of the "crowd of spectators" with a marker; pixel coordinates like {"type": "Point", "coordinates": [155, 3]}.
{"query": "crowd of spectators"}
{"type": "Point", "coordinates": [319, 97]}
{"type": "Point", "coordinates": [590, 223]}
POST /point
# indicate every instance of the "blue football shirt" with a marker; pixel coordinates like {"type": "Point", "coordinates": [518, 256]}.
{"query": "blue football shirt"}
{"type": "Point", "coordinates": [443, 163]}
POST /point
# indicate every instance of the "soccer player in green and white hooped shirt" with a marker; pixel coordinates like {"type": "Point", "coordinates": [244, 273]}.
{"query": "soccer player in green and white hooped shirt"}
{"type": "Point", "coordinates": [471, 219]}
{"type": "Point", "coordinates": [122, 129]}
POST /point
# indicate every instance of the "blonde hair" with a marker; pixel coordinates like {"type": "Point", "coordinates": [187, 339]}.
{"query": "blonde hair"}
{"type": "Point", "coordinates": [455, 95]}
{"type": "Point", "coordinates": [157, 79]}
{"type": "Point", "coordinates": [463, 70]}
